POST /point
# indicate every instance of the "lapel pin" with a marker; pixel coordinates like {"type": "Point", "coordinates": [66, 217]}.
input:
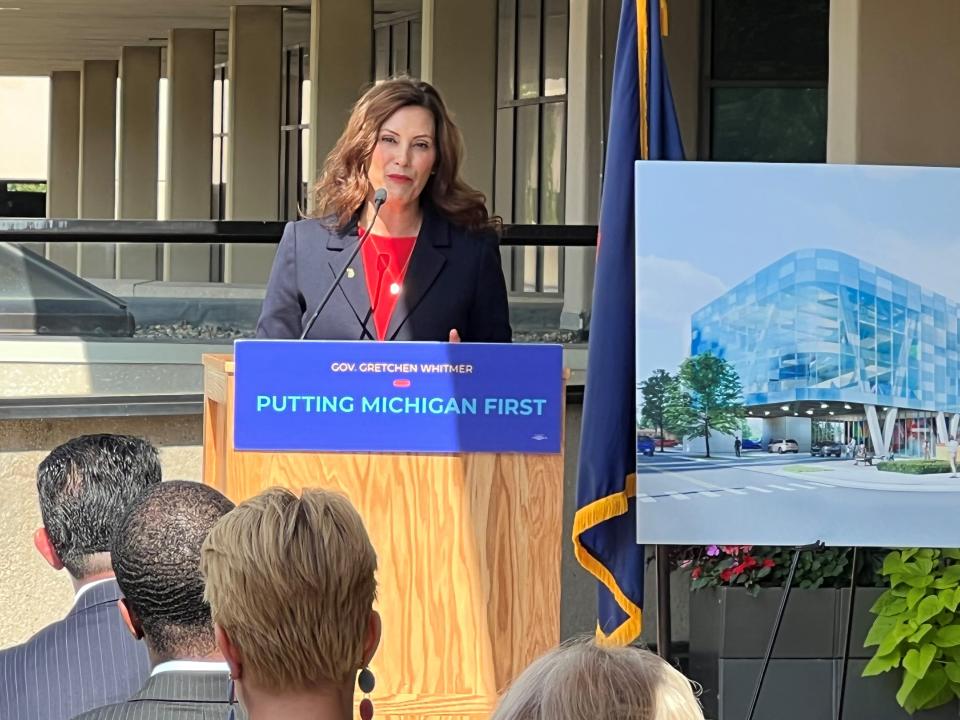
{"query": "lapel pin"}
{"type": "Point", "coordinates": [350, 272]}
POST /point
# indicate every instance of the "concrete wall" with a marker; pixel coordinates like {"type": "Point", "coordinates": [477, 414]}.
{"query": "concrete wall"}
{"type": "Point", "coordinates": [23, 444]}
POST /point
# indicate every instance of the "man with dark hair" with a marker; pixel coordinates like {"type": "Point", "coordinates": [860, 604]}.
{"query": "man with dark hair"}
{"type": "Point", "coordinates": [86, 659]}
{"type": "Point", "coordinates": [156, 558]}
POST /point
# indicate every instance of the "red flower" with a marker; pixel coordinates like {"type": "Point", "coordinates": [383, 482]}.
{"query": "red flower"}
{"type": "Point", "coordinates": [696, 572]}
{"type": "Point", "coordinates": [726, 575]}
{"type": "Point", "coordinates": [768, 563]}
{"type": "Point", "coordinates": [749, 561]}
{"type": "Point", "coordinates": [738, 570]}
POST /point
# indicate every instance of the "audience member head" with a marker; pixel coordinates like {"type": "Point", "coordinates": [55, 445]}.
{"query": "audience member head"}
{"type": "Point", "coordinates": [156, 558]}
{"type": "Point", "coordinates": [85, 486]}
{"type": "Point", "coordinates": [586, 681]}
{"type": "Point", "coordinates": [290, 582]}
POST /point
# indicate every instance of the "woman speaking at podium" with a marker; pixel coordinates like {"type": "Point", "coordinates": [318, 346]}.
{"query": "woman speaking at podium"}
{"type": "Point", "coordinates": [401, 248]}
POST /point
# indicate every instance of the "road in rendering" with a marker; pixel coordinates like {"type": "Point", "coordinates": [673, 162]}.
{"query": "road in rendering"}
{"type": "Point", "coordinates": [763, 499]}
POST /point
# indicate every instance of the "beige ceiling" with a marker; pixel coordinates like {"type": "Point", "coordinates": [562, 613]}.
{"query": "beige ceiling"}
{"type": "Point", "coordinates": [46, 35]}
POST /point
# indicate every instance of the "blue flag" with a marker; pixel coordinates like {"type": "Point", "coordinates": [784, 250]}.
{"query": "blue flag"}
{"type": "Point", "coordinates": [643, 125]}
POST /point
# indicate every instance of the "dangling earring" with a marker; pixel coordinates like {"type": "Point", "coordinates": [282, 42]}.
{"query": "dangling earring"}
{"type": "Point", "coordinates": [232, 699]}
{"type": "Point", "coordinates": [366, 682]}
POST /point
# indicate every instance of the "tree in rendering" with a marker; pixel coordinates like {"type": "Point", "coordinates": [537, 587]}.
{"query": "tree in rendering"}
{"type": "Point", "coordinates": [654, 392]}
{"type": "Point", "coordinates": [705, 395]}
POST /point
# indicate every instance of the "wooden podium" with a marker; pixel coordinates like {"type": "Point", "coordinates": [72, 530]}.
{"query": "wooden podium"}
{"type": "Point", "coordinates": [468, 549]}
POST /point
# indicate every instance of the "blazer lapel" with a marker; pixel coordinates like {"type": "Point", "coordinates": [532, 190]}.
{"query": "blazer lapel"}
{"type": "Point", "coordinates": [353, 287]}
{"type": "Point", "coordinates": [425, 264]}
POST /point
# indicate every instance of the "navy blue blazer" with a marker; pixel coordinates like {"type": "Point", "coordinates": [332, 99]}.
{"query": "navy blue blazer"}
{"type": "Point", "coordinates": [454, 281]}
{"type": "Point", "coordinates": [86, 660]}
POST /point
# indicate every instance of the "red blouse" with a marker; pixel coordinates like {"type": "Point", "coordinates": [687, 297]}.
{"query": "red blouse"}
{"type": "Point", "coordinates": [385, 262]}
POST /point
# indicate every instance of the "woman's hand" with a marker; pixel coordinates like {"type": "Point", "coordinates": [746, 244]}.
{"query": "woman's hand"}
{"type": "Point", "coordinates": [454, 336]}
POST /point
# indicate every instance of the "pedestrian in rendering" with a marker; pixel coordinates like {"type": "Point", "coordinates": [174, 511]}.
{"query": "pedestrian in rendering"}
{"type": "Point", "coordinates": [952, 452]}
{"type": "Point", "coordinates": [736, 446]}
{"type": "Point", "coordinates": [926, 449]}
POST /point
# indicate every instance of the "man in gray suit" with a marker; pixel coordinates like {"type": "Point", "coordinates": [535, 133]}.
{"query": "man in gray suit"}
{"type": "Point", "coordinates": [87, 658]}
{"type": "Point", "coordinates": [156, 557]}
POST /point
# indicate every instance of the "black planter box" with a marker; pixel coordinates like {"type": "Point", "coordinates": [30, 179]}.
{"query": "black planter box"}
{"type": "Point", "coordinates": [729, 632]}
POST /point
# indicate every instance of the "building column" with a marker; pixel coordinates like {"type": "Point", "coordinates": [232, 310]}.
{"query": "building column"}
{"type": "Point", "coordinates": [460, 41]}
{"type": "Point", "coordinates": [954, 424]}
{"type": "Point", "coordinates": [98, 147]}
{"type": "Point", "coordinates": [253, 152]}
{"type": "Point", "coordinates": [889, 423]}
{"type": "Point", "coordinates": [137, 155]}
{"type": "Point", "coordinates": [63, 159]}
{"type": "Point", "coordinates": [341, 67]}
{"type": "Point", "coordinates": [881, 439]}
{"type": "Point", "coordinates": [893, 91]}
{"type": "Point", "coordinates": [584, 161]}
{"type": "Point", "coordinates": [189, 161]}
{"type": "Point", "coordinates": [592, 44]}
{"type": "Point", "coordinates": [941, 421]}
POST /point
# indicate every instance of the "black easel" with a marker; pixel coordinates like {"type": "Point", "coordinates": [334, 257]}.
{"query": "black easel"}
{"type": "Point", "coordinates": [664, 630]}
{"type": "Point", "coordinates": [779, 620]}
{"type": "Point", "coordinates": [846, 638]}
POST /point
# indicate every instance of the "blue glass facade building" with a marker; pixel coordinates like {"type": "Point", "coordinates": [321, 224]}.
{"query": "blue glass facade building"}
{"type": "Point", "coordinates": [822, 325]}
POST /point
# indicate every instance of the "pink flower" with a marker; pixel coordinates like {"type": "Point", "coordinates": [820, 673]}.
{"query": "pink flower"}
{"type": "Point", "coordinates": [713, 551]}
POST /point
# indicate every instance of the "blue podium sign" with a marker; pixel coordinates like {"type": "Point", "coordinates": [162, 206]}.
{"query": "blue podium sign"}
{"type": "Point", "coordinates": [298, 395]}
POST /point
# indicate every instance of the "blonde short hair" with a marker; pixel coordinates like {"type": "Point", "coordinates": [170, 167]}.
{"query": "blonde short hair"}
{"type": "Point", "coordinates": [291, 581]}
{"type": "Point", "coordinates": [585, 681]}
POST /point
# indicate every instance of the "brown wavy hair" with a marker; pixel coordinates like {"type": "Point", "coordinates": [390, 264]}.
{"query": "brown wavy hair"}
{"type": "Point", "coordinates": [343, 186]}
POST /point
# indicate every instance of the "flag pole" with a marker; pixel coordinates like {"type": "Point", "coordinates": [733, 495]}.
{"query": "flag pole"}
{"type": "Point", "coordinates": [663, 602]}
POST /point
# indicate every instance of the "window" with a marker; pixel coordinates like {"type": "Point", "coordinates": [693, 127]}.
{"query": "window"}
{"type": "Point", "coordinates": [764, 93]}
{"type": "Point", "coordinates": [396, 43]}
{"type": "Point", "coordinates": [221, 108]}
{"type": "Point", "coordinates": [294, 132]}
{"type": "Point", "coordinates": [531, 133]}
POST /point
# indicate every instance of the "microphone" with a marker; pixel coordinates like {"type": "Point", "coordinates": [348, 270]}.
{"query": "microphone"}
{"type": "Point", "coordinates": [379, 198]}
{"type": "Point", "coordinates": [383, 262]}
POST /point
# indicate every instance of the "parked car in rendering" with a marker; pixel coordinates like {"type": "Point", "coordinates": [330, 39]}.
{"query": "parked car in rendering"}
{"type": "Point", "coordinates": [646, 445]}
{"type": "Point", "coordinates": [826, 448]}
{"type": "Point", "coordinates": [782, 446]}
{"type": "Point", "coordinates": [748, 444]}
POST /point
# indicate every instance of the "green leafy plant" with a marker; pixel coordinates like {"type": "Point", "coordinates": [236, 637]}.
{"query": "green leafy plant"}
{"type": "Point", "coordinates": [917, 627]}
{"type": "Point", "coordinates": [915, 467]}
